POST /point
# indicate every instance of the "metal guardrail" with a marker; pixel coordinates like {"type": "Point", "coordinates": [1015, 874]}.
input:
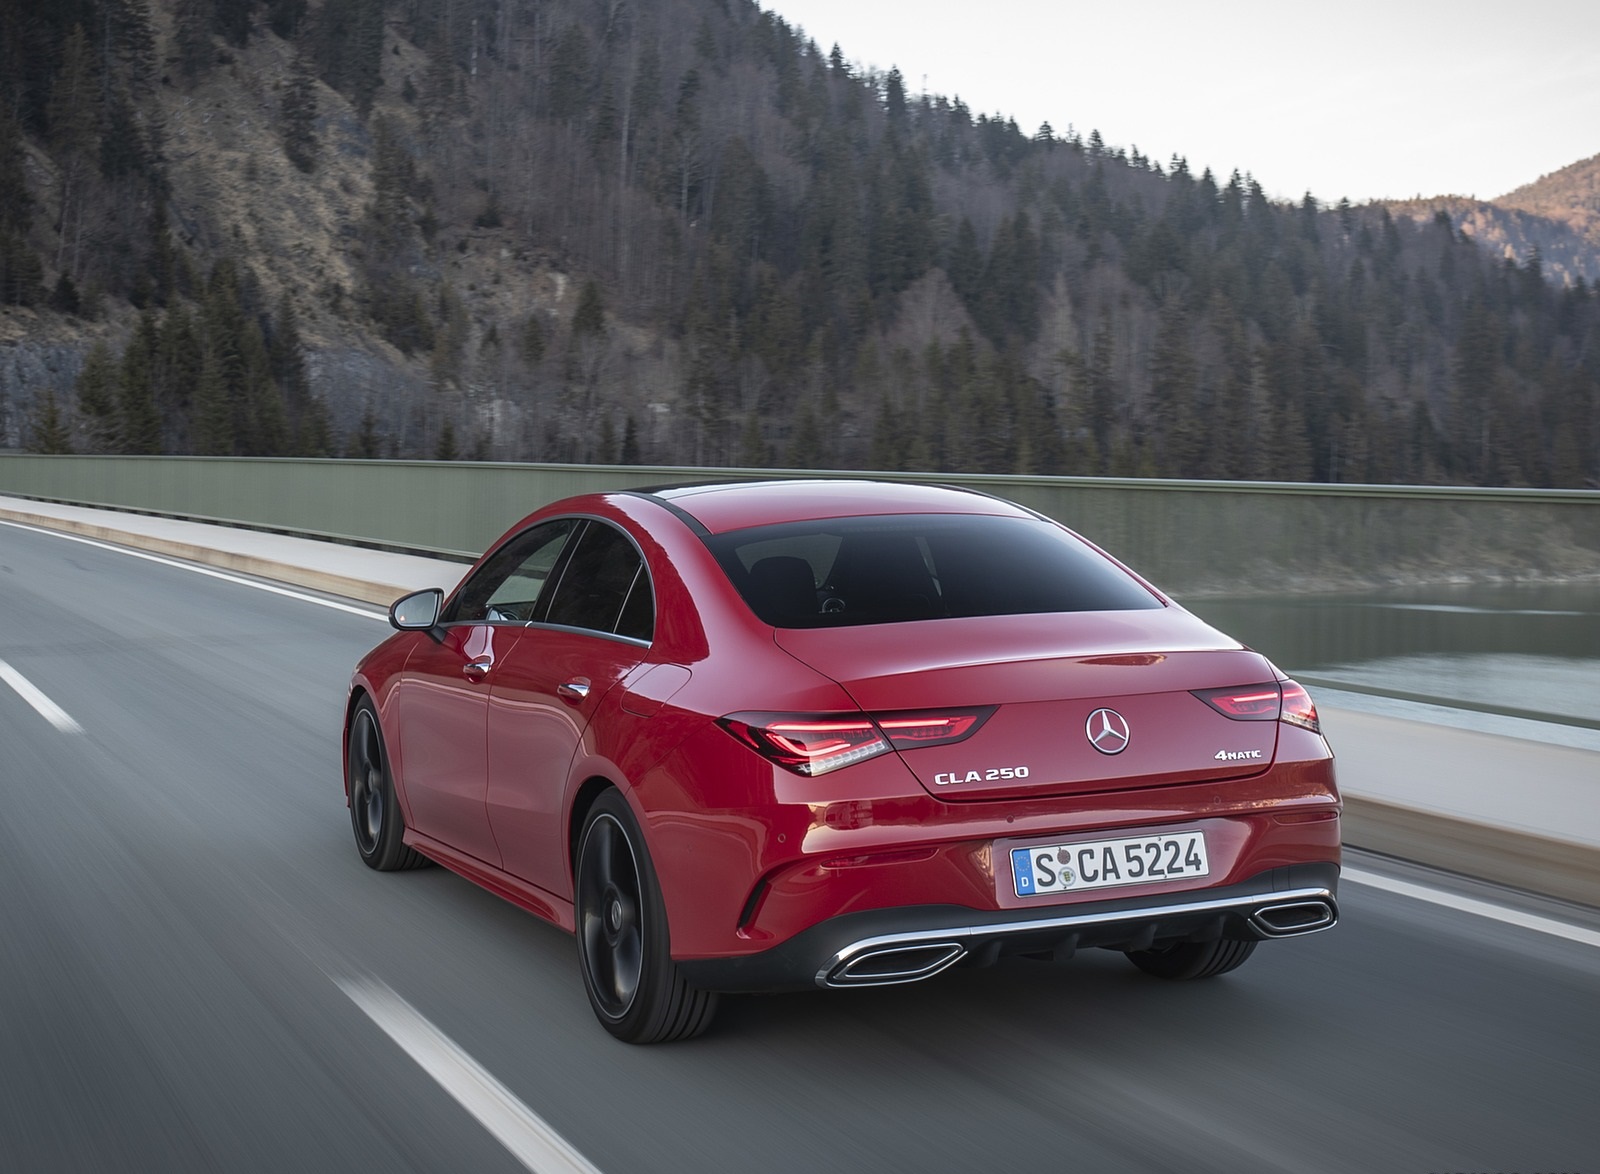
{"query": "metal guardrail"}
{"type": "Point", "coordinates": [1190, 536]}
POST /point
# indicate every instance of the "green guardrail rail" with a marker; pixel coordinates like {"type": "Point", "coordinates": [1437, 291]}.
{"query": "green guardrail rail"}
{"type": "Point", "coordinates": [1199, 537]}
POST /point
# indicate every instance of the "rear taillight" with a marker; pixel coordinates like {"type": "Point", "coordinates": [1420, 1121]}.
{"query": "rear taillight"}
{"type": "Point", "coordinates": [1245, 703]}
{"type": "Point", "coordinates": [809, 745]}
{"type": "Point", "coordinates": [1298, 708]}
{"type": "Point", "coordinates": [1273, 701]}
{"type": "Point", "coordinates": [909, 731]}
{"type": "Point", "coordinates": [814, 744]}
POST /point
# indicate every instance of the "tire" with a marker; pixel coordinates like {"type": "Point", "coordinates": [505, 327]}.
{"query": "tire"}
{"type": "Point", "coordinates": [375, 816]}
{"type": "Point", "coordinates": [1187, 960]}
{"type": "Point", "coordinates": [624, 951]}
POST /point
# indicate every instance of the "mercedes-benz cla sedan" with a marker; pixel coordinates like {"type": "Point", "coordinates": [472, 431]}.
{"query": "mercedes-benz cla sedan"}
{"type": "Point", "coordinates": [779, 735]}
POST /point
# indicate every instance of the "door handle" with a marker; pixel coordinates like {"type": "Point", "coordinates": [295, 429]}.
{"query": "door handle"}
{"type": "Point", "coordinates": [476, 670]}
{"type": "Point", "coordinates": [574, 691]}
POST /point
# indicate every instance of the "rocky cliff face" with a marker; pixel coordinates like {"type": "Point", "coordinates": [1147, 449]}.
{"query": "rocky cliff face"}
{"type": "Point", "coordinates": [1557, 216]}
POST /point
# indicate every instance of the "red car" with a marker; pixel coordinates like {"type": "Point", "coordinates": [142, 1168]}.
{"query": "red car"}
{"type": "Point", "coordinates": [778, 735]}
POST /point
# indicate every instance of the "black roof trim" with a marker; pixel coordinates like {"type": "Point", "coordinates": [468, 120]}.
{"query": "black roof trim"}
{"type": "Point", "coordinates": [695, 525]}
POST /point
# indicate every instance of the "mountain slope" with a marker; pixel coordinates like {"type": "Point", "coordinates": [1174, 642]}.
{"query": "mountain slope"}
{"type": "Point", "coordinates": [678, 230]}
{"type": "Point", "coordinates": [1558, 215]}
{"type": "Point", "coordinates": [1570, 195]}
{"type": "Point", "coordinates": [1515, 234]}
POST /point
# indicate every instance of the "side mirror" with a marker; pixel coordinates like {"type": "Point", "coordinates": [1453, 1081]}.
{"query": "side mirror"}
{"type": "Point", "coordinates": [418, 611]}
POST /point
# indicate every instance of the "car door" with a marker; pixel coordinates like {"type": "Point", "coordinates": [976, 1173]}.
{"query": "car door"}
{"type": "Point", "coordinates": [440, 706]}
{"type": "Point", "coordinates": [597, 627]}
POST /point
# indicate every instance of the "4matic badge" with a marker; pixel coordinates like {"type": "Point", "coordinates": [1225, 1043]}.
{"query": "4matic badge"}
{"type": "Point", "coordinates": [1236, 755]}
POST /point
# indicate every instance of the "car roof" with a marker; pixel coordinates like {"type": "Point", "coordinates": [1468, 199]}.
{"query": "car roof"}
{"type": "Point", "coordinates": [724, 506]}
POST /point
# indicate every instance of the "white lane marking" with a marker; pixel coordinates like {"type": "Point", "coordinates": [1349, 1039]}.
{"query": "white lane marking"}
{"type": "Point", "coordinates": [1546, 925]}
{"type": "Point", "coordinates": [528, 1136]}
{"type": "Point", "coordinates": [31, 693]}
{"type": "Point", "coordinates": [207, 571]}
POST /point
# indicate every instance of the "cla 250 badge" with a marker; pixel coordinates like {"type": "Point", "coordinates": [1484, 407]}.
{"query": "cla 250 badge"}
{"type": "Point", "coordinates": [992, 775]}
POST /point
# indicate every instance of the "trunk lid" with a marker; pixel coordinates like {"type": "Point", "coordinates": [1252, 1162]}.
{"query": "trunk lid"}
{"type": "Point", "coordinates": [1048, 678]}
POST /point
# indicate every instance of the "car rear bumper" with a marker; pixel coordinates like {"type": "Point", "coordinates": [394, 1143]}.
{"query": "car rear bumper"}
{"type": "Point", "coordinates": [885, 946]}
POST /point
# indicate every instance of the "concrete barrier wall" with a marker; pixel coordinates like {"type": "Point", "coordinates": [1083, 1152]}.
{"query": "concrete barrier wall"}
{"type": "Point", "coordinates": [1193, 537]}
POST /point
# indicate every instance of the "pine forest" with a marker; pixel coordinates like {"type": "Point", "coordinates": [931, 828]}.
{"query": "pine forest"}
{"type": "Point", "coordinates": [682, 232]}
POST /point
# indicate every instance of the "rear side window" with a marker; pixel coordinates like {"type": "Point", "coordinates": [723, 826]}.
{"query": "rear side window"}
{"type": "Point", "coordinates": [604, 587]}
{"type": "Point", "coordinates": [879, 570]}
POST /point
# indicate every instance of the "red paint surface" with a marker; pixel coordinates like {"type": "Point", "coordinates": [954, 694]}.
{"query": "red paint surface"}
{"type": "Point", "coordinates": [489, 771]}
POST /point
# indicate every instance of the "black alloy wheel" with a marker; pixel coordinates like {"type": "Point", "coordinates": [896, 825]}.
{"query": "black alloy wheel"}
{"type": "Point", "coordinates": [624, 951]}
{"type": "Point", "coordinates": [1186, 960]}
{"type": "Point", "coordinates": [374, 814]}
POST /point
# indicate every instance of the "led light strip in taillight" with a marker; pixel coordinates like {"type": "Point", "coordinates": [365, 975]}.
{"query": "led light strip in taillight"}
{"type": "Point", "coordinates": [1284, 700]}
{"type": "Point", "coordinates": [1298, 708]}
{"type": "Point", "coordinates": [814, 744]}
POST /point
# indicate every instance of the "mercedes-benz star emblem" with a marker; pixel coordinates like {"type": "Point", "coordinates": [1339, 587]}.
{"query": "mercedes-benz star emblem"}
{"type": "Point", "coordinates": [1108, 731]}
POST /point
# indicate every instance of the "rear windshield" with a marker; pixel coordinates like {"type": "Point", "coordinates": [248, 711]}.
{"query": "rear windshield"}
{"type": "Point", "coordinates": [884, 570]}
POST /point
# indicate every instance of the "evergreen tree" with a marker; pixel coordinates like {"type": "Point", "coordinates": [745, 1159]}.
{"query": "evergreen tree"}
{"type": "Point", "coordinates": [222, 408]}
{"type": "Point", "coordinates": [286, 354]}
{"type": "Point", "coordinates": [123, 149]}
{"type": "Point", "coordinates": [300, 116]}
{"type": "Point", "coordinates": [21, 273]}
{"type": "Point", "coordinates": [445, 449]}
{"type": "Point", "coordinates": [888, 437]}
{"type": "Point", "coordinates": [16, 203]}
{"type": "Point", "coordinates": [1474, 379]}
{"type": "Point", "coordinates": [1102, 397]}
{"type": "Point", "coordinates": [1172, 391]}
{"type": "Point", "coordinates": [752, 445]}
{"type": "Point", "coordinates": [347, 44]}
{"type": "Point", "coordinates": [180, 360]}
{"type": "Point", "coordinates": [231, 19]}
{"type": "Point", "coordinates": [64, 297]}
{"type": "Point", "coordinates": [590, 316]}
{"type": "Point", "coordinates": [570, 73]}
{"type": "Point", "coordinates": [1308, 218]}
{"type": "Point", "coordinates": [1039, 447]}
{"type": "Point", "coordinates": [212, 430]}
{"type": "Point", "coordinates": [285, 17]}
{"type": "Point", "coordinates": [48, 431]}
{"type": "Point", "coordinates": [450, 340]}
{"type": "Point", "coordinates": [261, 427]}
{"type": "Point", "coordinates": [140, 419]}
{"type": "Point", "coordinates": [313, 435]}
{"type": "Point", "coordinates": [894, 99]}
{"type": "Point", "coordinates": [805, 449]}
{"type": "Point", "coordinates": [440, 89]}
{"type": "Point", "coordinates": [533, 342]}
{"type": "Point", "coordinates": [366, 442]}
{"type": "Point", "coordinates": [131, 41]}
{"type": "Point", "coordinates": [966, 265]}
{"type": "Point", "coordinates": [394, 178]}
{"type": "Point", "coordinates": [97, 389]}
{"type": "Point", "coordinates": [192, 38]}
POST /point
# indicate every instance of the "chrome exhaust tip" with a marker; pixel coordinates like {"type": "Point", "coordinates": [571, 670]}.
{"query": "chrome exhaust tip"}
{"type": "Point", "coordinates": [892, 964]}
{"type": "Point", "coordinates": [1296, 917]}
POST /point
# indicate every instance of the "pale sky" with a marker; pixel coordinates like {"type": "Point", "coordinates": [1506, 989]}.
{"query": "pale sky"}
{"type": "Point", "coordinates": [1368, 99]}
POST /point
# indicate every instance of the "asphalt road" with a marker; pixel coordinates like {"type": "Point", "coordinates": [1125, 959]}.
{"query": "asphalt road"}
{"type": "Point", "coordinates": [180, 903]}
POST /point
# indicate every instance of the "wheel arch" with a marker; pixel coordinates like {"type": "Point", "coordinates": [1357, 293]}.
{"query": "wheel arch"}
{"type": "Point", "coordinates": [582, 802]}
{"type": "Point", "coordinates": [358, 693]}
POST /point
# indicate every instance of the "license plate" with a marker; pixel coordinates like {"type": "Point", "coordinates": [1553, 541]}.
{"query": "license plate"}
{"type": "Point", "coordinates": [1102, 864]}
